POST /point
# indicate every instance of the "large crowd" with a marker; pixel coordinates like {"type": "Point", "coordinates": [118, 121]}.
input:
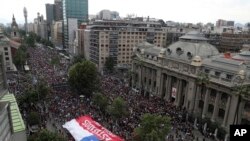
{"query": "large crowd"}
{"type": "Point", "coordinates": [64, 105]}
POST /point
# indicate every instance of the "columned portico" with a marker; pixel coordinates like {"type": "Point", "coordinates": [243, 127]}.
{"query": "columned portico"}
{"type": "Point", "coordinates": [205, 107]}
{"type": "Point", "coordinates": [197, 98]}
{"type": "Point", "coordinates": [179, 92]}
{"type": "Point", "coordinates": [227, 111]}
{"type": "Point", "coordinates": [168, 88]}
{"type": "Point", "coordinates": [216, 106]}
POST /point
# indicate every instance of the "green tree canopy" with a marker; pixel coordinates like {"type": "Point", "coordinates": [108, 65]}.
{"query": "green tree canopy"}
{"type": "Point", "coordinates": [34, 118]}
{"type": "Point", "coordinates": [46, 135]}
{"type": "Point", "coordinates": [77, 59]}
{"type": "Point", "coordinates": [202, 79]}
{"type": "Point", "coordinates": [55, 60]}
{"type": "Point", "coordinates": [83, 77]}
{"type": "Point", "coordinates": [153, 128]}
{"type": "Point", "coordinates": [20, 57]}
{"type": "Point", "coordinates": [100, 100]}
{"type": "Point", "coordinates": [109, 64]}
{"type": "Point", "coordinates": [118, 108]}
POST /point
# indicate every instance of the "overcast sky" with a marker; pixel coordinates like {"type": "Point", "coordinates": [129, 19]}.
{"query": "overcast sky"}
{"type": "Point", "coordinates": [193, 11]}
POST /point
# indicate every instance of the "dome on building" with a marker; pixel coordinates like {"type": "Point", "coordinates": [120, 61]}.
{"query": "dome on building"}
{"type": "Point", "coordinates": [190, 45]}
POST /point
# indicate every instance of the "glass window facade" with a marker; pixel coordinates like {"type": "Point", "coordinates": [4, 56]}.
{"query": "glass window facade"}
{"type": "Point", "coordinates": [73, 9]}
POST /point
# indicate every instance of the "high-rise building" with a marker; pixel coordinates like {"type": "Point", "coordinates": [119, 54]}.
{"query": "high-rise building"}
{"type": "Point", "coordinates": [77, 9]}
{"type": "Point", "coordinates": [49, 13]}
{"type": "Point", "coordinates": [108, 15]}
{"type": "Point", "coordinates": [58, 10]}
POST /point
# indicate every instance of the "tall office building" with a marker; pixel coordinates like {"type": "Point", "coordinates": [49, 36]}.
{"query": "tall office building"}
{"type": "Point", "coordinates": [49, 13]}
{"type": "Point", "coordinates": [58, 10]}
{"type": "Point", "coordinates": [77, 9]}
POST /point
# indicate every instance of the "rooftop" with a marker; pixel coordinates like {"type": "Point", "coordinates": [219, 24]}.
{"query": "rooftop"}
{"type": "Point", "coordinates": [16, 118]}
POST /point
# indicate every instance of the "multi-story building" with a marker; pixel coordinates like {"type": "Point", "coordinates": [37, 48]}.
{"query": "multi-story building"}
{"type": "Point", "coordinates": [12, 125]}
{"type": "Point", "coordinates": [116, 39]}
{"type": "Point", "coordinates": [79, 41]}
{"type": "Point", "coordinates": [173, 73]}
{"type": "Point", "coordinates": [108, 15]}
{"type": "Point", "coordinates": [57, 34]}
{"type": "Point", "coordinates": [50, 13]}
{"type": "Point", "coordinates": [30, 27]}
{"type": "Point", "coordinates": [40, 26]}
{"type": "Point", "coordinates": [72, 27]}
{"type": "Point", "coordinates": [77, 9]}
{"type": "Point", "coordinates": [50, 17]}
{"type": "Point", "coordinates": [58, 13]}
{"type": "Point", "coordinates": [233, 42]}
{"type": "Point", "coordinates": [5, 49]}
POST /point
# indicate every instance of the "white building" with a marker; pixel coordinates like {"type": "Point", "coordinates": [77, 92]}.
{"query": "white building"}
{"type": "Point", "coordinates": [108, 15]}
{"type": "Point", "coordinates": [72, 27]}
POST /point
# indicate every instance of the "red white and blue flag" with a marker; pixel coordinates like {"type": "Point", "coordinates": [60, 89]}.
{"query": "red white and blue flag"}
{"type": "Point", "coordinates": [85, 128]}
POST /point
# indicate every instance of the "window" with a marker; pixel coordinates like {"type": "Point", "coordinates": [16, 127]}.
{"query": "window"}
{"type": "Point", "coordinates": [5, 48]}
{"type": "Point", "coordinates": [207, 70]}
{"type": "Point", "coordinates": [6, 53]}
{"type": "Point", "coordinates": [229, 76]}
{"type": "Point", "coordinates": [217, 73]}
{"type": "Point", "coordinates": [7, 58]}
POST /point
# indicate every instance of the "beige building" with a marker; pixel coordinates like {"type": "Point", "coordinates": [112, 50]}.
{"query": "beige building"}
{"type": "Point", "coordinates": [116, 39]}
{"type": "Point", "coordinates": [57, 34]}
{"type": "Point", "coordinates": [172, 73]}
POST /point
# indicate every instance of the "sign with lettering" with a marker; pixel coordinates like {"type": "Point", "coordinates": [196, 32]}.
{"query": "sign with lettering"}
{"type": "Point", "coordinates": [239, 132]}
{"type": "Point", "coordinates": [85, 128]}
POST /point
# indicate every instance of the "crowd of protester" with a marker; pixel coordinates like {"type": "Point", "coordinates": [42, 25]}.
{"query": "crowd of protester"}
{"type": "Point", "coordinates": [64, 105]}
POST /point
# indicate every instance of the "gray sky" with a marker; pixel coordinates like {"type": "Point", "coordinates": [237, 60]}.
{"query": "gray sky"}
{"type": "Point", "coordinates": [193, 11]}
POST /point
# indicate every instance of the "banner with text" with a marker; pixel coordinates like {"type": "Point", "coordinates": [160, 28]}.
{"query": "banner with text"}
{"type": "Point", "coordinates": [85, 128]}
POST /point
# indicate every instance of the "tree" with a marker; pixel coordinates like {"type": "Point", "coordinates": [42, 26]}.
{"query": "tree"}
{"type": "Point", "coordinates": [55, 60]}
{"type": "Point", "coordinates": [118, 108]}
{"type": "Point", "coordinates": [83, 77]}
{"type": "Point", "coordinates": [30, 40]}
{"type": "Point", "coordinates": [101, 101]}
{"type": "Point", "coordinates": [78, 58]}
{"type": "Point", "coordinates": [45, 135]}
{"type": "Point", "coordinates": [20, 57]}
{"type": "Point", "coordinates": [42, 91]}
{"type": "Point", "coordinates": [34, 118]}
{"type": "Point", "coordinates": [109, 64]}
{"type": "Point", "coordinates": [152, 128]}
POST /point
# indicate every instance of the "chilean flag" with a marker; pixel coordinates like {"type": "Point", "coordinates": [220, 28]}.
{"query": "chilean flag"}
{"type": "Point", "coordinates": [85, 128]}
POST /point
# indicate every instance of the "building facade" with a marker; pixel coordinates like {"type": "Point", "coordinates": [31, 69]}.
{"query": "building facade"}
{"type": "Point", "coordinates": [77, 9]}
{"type": "Point", "coordinates": [40, 26]}
{"type": "Point", "coordinates": [50, 13]}
{"type": "Point", "coordinates": [116, 39]}
{"type": "Point", "coordinates": [233, 42]}
{"type": "Point", "coordinates": [58, 13]}
{"type": "Point", "coordinates": [12, 125]}
{"type": "Point", "coordinates": [108, 15]}
{"type": "Point", "coordinates": [57, 33]}
{"type": "Point", "coordinates": [5, 49]}
{"type": "Point", "coordinates": [173, 74]}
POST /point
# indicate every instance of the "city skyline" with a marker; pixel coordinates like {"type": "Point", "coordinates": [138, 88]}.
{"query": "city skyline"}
{"type": "Point", "coordinates": [180, 11]}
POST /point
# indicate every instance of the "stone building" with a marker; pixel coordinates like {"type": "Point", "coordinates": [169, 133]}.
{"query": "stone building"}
{"type": "Point", "coordinates": [172, 73]}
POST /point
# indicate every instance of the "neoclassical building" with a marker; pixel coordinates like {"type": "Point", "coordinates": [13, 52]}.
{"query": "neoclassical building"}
{"type": "Point", "coordinates": [173, 73]}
